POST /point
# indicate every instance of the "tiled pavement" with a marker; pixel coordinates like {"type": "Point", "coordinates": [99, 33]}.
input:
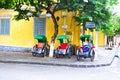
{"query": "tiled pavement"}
{"type": "Point", "coordinates": [103, 58]}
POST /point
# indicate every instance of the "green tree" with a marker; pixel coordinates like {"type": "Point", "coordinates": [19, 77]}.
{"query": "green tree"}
{"type": "Point", "coordinates": [25, 8]}
{"type": "Point", "coordinates": [98, 12]}
{"type": "Point", "coordinates": [116, 19]}
{"type": "Point", "coordinates": [31, 8]}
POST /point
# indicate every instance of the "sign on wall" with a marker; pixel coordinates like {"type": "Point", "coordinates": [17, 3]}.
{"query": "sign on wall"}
{"type": "Point", "coordinates": [90, 25]}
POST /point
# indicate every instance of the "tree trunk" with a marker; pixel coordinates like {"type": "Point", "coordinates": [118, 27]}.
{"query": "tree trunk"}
{"type": "Point", "coordinates": [54, 35]}
{"type": "Point", "coordinates": [55, 28]}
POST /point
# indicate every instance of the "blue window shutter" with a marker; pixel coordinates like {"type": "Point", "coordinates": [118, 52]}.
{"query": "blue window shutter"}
{"type": "Point", "coordinates": [39, 26]}
{"type": "Point", "coordinates": [5, 27]}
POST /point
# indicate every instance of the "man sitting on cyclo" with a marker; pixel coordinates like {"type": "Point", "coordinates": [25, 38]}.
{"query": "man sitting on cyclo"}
{"type": "Point", "coordinates": [87, 42]}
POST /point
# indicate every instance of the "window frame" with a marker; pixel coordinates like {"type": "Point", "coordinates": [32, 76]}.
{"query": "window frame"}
{"type": "Point", "coordinates": [37, 29]}
{"type": "Point", "coordinates": [5, 28]}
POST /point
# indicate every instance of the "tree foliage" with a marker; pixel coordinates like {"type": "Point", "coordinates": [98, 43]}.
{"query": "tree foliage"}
{"type": "Point", "coordinates": [97, 11]}
{"type": "Point", "coordinates": [89, 10]}
{"type": "Point", "coordinates": [116, 20]}
{"type": "Point", "coordinates": [33, 8]}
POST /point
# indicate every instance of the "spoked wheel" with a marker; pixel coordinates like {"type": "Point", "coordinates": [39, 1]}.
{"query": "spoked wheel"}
{"type": "Point", "coordinates": [78, 58]}
{"type": "Point", "coordinates": [57, 55]}
{"type": "Point", "coordinates": [92, 56]}
{"type": "Point", "coordinates": [33, 54]}
{"type": "Point", "coordinates": [34, 51]}
{"type": "Point", "coordinates": [46, 52]}
{"type": "Point", "coordinates": [69, 54]}
{"type": "Point", "coordinates": [42, 54]}
{"type": "Point", "coordinates": [78, 55]}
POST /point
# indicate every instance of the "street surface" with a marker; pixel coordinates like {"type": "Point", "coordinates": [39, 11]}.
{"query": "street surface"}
{"type": "Point", "coordinates": [15, 71]}
{"type": "Point", "coordinates": [41, 72]}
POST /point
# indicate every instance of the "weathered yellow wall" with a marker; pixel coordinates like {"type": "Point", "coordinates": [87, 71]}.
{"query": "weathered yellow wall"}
{"type": "Point", "coordinates": [21, 32]}
{"type": "Point", "coordinates": [72, 28]}
{"type": "Point", "coordinates": [101, 40]}
{"type": "Point", "coordinates": [100, 37]}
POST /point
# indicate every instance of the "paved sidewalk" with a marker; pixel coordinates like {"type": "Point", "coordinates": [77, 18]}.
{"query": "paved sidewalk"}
{"type": "Point", "coordinates": [103, 58]}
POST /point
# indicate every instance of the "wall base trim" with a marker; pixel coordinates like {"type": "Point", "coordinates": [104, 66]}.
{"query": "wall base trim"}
{"type": "Point", "coordinates": [13, 48]}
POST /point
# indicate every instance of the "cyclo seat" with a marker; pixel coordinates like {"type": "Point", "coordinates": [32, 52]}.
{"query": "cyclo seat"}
{"type": "Point", "coordinates": [40, 45]}
{"type": "Point", "coordinates": [86, 48]}
{"type": "Point", "coordinates": [63, 46]}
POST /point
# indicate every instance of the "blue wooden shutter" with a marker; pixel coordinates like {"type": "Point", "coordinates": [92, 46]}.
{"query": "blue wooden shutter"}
{"type": "Point", "coordinates": [39, 26]}
{"type": "Point", "coordinates": [5, 27]}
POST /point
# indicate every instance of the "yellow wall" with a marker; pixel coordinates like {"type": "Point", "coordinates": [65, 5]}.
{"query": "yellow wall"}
{"type": "Point", "coordinates": [21, 32]}
{"type": "Point", "coordinates": [72, 28]}
{"type": "Point", "coordinates": [101, 40]}
{"type": "Point", "coordinates": [100, 37]}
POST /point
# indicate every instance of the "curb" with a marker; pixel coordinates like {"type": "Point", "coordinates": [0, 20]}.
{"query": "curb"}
{"type": "Point", "coordinates": [58, 64]}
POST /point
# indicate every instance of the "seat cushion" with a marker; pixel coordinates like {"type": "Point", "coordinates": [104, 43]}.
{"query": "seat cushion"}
{"type": "Point", "coordinates": [40, 45]}
{"type": "Point", "coordinates": [63, 46]}
{"type": "Point", "coordinates": [86, 48]}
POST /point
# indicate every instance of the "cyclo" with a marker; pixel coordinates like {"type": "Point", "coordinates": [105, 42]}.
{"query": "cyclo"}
{"type": "Point", "coordinates": [87, 48]}
{"type": "Point", "coordinates": [41, 48]}
{"type": "Point", "coordinates": [65, 48]}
